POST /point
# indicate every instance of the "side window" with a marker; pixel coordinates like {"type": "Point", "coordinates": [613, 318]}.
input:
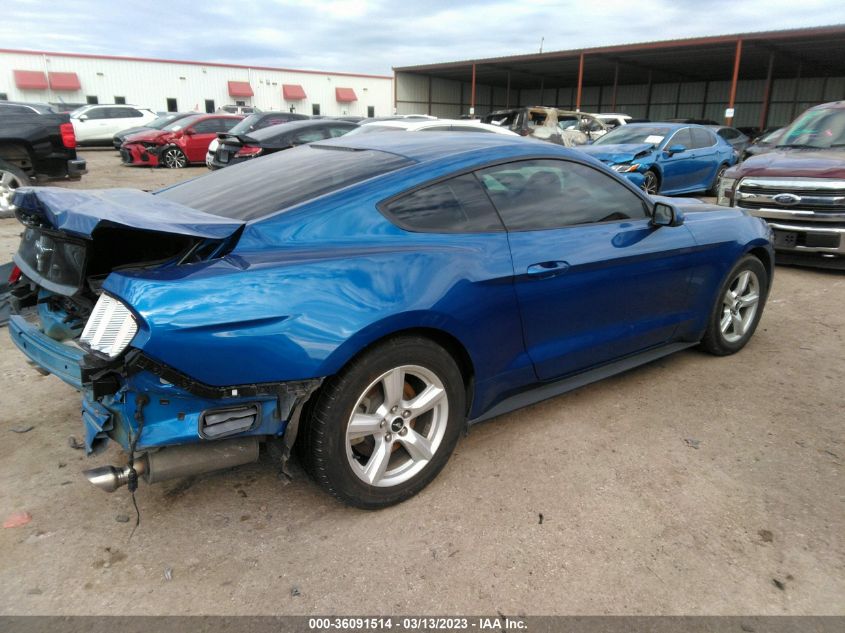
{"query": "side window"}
{"type": "Point", "coordinates": [681, 137]}
{"type": "Point", "coordinates": [308, 136]}
{"type": "Point", "coordinates": [334, 132]}
{"type": "Point", "coordinates": [436, 128]}
{"type": "Point", "coordinates": [457, 205]}
{"type": "Point", "coordinates": [549, 194]}
{"type": "Point", "coordinates": [16, 109]}
{"type": "Point", "coordinates": [224, 125]}
{"type": "Point", "coordinates": [97, 113]}
{"type": "Point", "coordinates": [703, 138]}
{"type": "Point", "coordinates": [208, 126]}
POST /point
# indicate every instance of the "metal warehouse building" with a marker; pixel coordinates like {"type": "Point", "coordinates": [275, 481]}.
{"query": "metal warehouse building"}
{"type": "Point", "coordinates": [167, 85]}
{"type": "Point", "coordinates": [766, 78]}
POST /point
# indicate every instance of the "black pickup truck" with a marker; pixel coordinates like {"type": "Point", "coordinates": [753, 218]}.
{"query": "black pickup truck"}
{"type": "Point", "coordinates": [35, 148]}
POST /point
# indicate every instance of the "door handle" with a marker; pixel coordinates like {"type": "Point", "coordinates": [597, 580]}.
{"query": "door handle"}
{"type": "Point", "coordinates": [548, 269]}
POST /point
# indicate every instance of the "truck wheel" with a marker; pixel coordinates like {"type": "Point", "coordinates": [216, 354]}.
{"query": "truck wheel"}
{"type": "Point", "coordinates": [381, 430]}
{"type": "Point", "coordinates": [11, 178]}
{"type": "Point", "coordinates": [174, 158]}
{"type": "Point", "coordinates": [738, 308]}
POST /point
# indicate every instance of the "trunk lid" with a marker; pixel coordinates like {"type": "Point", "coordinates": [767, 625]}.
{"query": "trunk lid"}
{"type": "Point", "coordinates": [80, 213]}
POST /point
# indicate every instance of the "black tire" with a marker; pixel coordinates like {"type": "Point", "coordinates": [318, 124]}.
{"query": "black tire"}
{"type": "Point", "coordinates": [651, 183]}
{"type": "Point", "coordinates": [325, 449]}
{"type": "Point", "coordinates": [714, 188]}
{"type": "Point", "coordinates": [11, 177]}
{"type": "Point", "coordinates": [173, 158]}
{"type": "Point", "coordinates": [719, 342]}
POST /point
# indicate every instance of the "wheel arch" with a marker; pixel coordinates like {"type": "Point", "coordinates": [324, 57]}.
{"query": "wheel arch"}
{"type": "Point", "coordinates": [364, 341]}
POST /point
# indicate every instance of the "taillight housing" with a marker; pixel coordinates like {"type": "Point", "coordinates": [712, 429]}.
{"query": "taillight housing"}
{"type": "Point", "coordinates": [68, 135]}
{"type": "Point", "coordinates": [15, 275]}
{"type": "Point", "coordinates": [248, 151]}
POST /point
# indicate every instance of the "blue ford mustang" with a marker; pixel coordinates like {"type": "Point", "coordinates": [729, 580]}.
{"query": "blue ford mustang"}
{"type": "Point", "coordinates": [367, 298]}
{"type": "Point", "coordinates": [665, 158]}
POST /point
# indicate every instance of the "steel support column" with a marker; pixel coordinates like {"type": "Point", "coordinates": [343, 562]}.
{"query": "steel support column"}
{"type": "Point", "coordinates": [767, 93]}
{"type": "Point", "coordinates": [472, 94]}
{"type": "Point", "coordinates": [615, 85]}
{"type": "Point", "coordinates": [737, 57]}
{"type": "Point", "coordinates": [429, 95]}
{"type": "Point", "coordinates": [795, 92]}
{"type": "Point", "coordinates": [508, 95]}
{"type": "Point", "coordinates": [580, 82]}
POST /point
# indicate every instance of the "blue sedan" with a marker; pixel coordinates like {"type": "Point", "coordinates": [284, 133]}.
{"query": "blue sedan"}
{"type": "Point", "coordinates": [362, 300]}
{"type": "Point", "coordinates": [666, 158]}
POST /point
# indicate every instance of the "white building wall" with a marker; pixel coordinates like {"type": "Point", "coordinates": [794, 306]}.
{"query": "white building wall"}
{"type": "Point", "coordinates": [149, 84]}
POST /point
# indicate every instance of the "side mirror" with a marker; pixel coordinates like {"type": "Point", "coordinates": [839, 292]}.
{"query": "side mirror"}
{"type": "Point", "coordinates": [666, 215]}
{"type": "Point", "coordinates": [189, 132]}
{"type": "Point", "coordinates": [82, 117]}
{"type": "Point", "coordinates": [676, 149]}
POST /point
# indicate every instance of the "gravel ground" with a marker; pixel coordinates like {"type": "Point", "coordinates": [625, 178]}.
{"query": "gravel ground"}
{"type": "Point", "coordinates": [694, 485]}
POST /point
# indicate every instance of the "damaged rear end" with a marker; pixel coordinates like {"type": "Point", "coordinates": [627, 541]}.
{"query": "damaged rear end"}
{"type": "Point", "coordinates": [72, 320]}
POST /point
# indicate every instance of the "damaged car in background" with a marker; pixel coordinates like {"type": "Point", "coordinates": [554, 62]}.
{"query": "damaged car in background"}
{"type": "Point", "coordinates": [563, 127]}
{"type": "Point", "coordinates": [363, 299]}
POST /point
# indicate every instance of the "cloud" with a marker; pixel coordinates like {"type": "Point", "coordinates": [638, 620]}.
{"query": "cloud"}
{"type": "Point", "coordinates": [372, 36]}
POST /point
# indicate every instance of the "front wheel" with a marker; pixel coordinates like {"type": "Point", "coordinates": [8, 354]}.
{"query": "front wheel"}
{"type": "Point", "coordinates": [174, 158]}
{"type": "Point", "coordinates": [738, 308]}
{"type": "Point", "coordinates": [383, 428]}
{"type": "Point", "coordinates": [651, 183]}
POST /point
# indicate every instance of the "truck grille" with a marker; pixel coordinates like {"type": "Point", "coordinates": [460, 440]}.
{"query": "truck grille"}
{"type": "Point", "coordinates": [110, 328]}
{"type": "Point", "coordinates": [792, 194]}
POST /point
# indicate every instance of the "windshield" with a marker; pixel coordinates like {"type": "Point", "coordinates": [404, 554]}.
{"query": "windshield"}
{"type": "Point", "coordinates": [181, 123]}
{"type": "Point", "coordinates": [635, 134]}
{"type": "Point", "coordinates": [258, 188]}
{"type": "Point", "coordinates": [161, 121]}
{"type": "Point", "coordinates": [816, 129]}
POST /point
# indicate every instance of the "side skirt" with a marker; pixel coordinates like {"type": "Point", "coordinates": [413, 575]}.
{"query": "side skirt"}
{"type": "Point", "coordinates": [550, 390]}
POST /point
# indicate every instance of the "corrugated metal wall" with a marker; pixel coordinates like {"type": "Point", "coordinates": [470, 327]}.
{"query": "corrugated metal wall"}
{"type": "Point", "coordinates": [150, 84]}
{"type": "Point", "coordinates": [668, 100]}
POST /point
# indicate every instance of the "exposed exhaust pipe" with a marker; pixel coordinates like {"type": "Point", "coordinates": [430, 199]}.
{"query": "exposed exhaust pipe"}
{"type": "Point", "coordinates": [178, 461]}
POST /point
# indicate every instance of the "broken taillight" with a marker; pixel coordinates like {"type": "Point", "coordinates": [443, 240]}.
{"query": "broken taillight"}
{"type": "Point", "coordinates": [68, 135]}
{"type": "Point", "coordinates": [15, 275]}
{"type": "Point", "coordinates": [248, 150]}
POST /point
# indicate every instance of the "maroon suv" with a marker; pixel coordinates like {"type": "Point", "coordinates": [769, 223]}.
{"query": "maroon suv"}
{"type": "Point", "coordinates": [799, 188]}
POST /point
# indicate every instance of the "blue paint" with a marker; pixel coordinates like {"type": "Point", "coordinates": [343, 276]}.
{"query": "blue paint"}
{"type": "Point", "coordinates": [307, 288]}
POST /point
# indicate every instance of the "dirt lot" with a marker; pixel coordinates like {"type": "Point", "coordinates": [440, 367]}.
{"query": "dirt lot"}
{"type": "Point", "coordinates": [693, 485]}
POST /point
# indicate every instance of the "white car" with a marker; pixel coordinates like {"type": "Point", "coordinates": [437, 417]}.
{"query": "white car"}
{"type": "Point", "coordinates": [432, 125]}
{"type": "Point", "coordinates": [97, 124]}
{"type": "Point", "coordinates": [612, 119]}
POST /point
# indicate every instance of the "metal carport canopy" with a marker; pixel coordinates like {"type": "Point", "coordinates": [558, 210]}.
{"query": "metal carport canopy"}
{"type": "Point", "coordinates": [818, 50]}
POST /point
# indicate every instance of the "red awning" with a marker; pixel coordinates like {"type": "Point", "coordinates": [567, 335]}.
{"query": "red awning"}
{"type": "Point", "coordinates": [30, 79]}
{"type": "Point", "coordinates": [240, 89]}
{"type": "Point", "coordinates": [345, 95]}
{"type": "Point", "coordinates": [64, 81]}
{"type": "Point", "coordinates": [293, 92]}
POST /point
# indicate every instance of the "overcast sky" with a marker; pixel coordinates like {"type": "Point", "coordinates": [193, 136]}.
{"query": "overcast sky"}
{"type": "Point", "coordinates": [371, 37]}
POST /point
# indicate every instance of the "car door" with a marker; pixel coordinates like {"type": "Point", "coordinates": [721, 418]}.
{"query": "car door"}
{"type": "Point", "coordinates": [93, 126]}
{"type": "Point", "coordinates": [679, 169]}
{"type": "Point", "coordinates": [198, 137]}
{"type": "Point", "coordinates": [709, 156]}
{"type": "Point", "coordinates": [595, 281]}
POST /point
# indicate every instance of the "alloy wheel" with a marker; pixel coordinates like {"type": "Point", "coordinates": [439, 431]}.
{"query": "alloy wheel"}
{"type": "Point", "coordinates": [650, 183]}
{"type": "Point", "coordinates": [8, 183]}
{"type": "Point", "coordinates": [397, 425]}
{"type": "Point", "coordinates": [739, 306]}
{"type": "Point", "coordinates": [174, 159]}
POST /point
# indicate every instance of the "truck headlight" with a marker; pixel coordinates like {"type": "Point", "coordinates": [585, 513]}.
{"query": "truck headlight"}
{"type": "Point", "coordinates": [725, 190]}
{"type": "Point", "coordinates": [110, 328]}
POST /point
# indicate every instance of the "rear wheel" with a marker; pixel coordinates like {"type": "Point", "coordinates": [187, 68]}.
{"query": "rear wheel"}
{"type": "Point", "coordinates": [738, 308]}
{"type": "Point", "coordinates": [11, 177]}
{"type": "Point", "coordinates": [651, 183]}
{"type": "Point", "coordinates": [174, 158]}
{"type": "Point", "coordinates": [714, 188]}
{"type": "Point", "coordinates": [383, 428]}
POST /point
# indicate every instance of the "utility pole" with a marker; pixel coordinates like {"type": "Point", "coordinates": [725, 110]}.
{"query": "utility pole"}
{"type": "Point", "coordinates": [541, 43]}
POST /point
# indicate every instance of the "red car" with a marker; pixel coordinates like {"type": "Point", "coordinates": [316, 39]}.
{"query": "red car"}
{"type": "Point", "coordinates": [182, 142]}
